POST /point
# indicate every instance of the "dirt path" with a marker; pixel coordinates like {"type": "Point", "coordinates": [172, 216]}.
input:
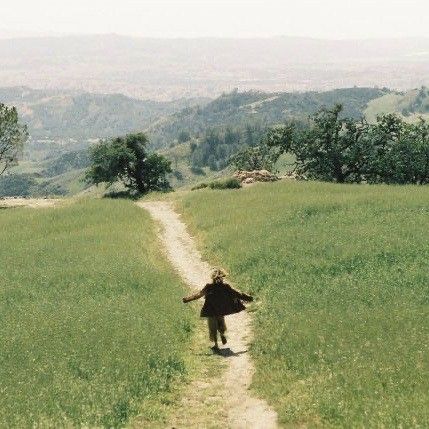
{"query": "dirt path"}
{"type": "Point", "coordinates": [225, 400]}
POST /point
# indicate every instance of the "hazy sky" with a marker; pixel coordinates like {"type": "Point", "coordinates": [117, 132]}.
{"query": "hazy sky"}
{"type": "Point", "coordinates": [236, 18]}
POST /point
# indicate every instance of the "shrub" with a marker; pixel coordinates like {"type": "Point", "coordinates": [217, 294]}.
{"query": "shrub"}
{"type": "Point", "coordinates": [199, 186]}
{"type": "Point", "coordinates": [230, 183]}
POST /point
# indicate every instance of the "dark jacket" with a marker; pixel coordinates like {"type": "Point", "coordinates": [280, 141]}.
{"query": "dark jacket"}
{"type": "Point", "coordinates": [220, 300]}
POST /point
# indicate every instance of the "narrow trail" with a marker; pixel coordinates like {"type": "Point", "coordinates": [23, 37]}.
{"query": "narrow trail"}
{"type": "Point", "coordinates": [226, 396]}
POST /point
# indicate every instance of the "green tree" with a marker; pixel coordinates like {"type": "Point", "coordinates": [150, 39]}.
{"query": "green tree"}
{"type": "Point", "coordinates": [254, 158]}
{"type": "Point", "coordinates": [126, 159]}
{"type": "Point", "coordinates": [332, 148]}
{"type": "Point", "coordinates": [13, 135]}
{"type": "Point", "coordinates": [399, 152]}
{"type": "Point", "coordinates": [339, 149]}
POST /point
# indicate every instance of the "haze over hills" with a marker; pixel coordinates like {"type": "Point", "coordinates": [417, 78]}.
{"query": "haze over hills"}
{"type": "Point", "coordinates": [63, 124]}
{"type": "Point", "coordinates": [65, 114]}
{"type": "Point", "coordinates": [166, 69]}
{"type": "Point", "coordinates": [74, 116]}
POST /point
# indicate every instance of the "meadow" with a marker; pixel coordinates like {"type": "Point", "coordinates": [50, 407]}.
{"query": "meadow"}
{"type": "Point", "coordinates": [88, 317]}
{"type": "Point", "coordinates": [341, 277]}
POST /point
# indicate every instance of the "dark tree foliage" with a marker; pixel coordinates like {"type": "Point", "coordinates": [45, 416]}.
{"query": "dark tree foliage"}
{"type": "Point", "coordinates": [69, 161]}
{"type": "Point", "coordinates": [398, 152]}
{"type": "Point", "coordinates": [254, 158]}
{"type": "Point", "coordinates": [343, 150]}
{"type": "Point", "coordinates": [184, 136]}
{"type": "Point", "coordinates": [126, 159]}
{"type": "Point", "coordinates": [218, 145]}
{"type": "Point", "coordinates": [330, 149]}
{"type": "Point", "coordinates": [13, 135]}
{"type": "Point", "coordinates": [12, 185]}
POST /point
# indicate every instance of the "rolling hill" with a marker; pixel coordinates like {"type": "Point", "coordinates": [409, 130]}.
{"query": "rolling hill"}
{"type": "Point", "coordinates": [55, 114]}
{"type": "Point", "coordinates": [63, 124]}
{"type": "Point", "coordinates": [238, 109]}
{"type": "Point", "coordinates": [410, 105]}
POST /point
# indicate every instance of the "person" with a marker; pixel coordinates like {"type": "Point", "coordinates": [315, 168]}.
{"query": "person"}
{"type": "Point", "coordinates": [220, 300]}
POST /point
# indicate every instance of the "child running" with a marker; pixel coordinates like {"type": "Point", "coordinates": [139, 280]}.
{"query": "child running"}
{"type": "Point", "coordinates": [220, 300]}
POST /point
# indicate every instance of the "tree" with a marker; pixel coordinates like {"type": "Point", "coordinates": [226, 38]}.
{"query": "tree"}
{"type": "Point", "coordinates": [184, 136]}
{"type": "Point", "coordinates": [343, 150]}
{"type": "Point", "coordinates": [399, 151]}
{"type": "Point", "coordinates": [331, 149]}
{"type": "Point", "coordinates": [254, 158]}
{"type": "Point", "coordinates": [126, 159]}
{"type": "Point", "coordinates": [13, 135]}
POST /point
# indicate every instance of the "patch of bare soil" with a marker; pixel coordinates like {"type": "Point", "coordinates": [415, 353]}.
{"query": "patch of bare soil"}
{"type": "Point", "coordinates": [222, 399]}
{"type": "Point", "coordinates": [34, 203]}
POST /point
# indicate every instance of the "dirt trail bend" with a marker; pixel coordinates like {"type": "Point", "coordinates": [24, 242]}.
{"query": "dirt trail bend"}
{"type": "Point", "coordinates": [239, 407]}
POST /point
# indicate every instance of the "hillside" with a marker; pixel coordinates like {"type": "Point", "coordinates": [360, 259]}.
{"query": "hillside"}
{"type": "Point", "coordinates": [62, 125]}
{"type": "Point", "coordinates": [240, 109]}
{"type": "Point", "coordinates": [55, 114]}
{"type": "Point", "coordinates": [166, 69]}
{"type": "Point", "coordinates": [410, 105]}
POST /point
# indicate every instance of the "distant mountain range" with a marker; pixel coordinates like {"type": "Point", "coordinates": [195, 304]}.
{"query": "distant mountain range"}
{"type": "Point", "coordinates": [239, 110]}
{"type": "Point", "coordinates": [166, 69]}
{"type": "Point", "coordinates": [55, 114]}
{"type": "Point", "coordinates": [64, 115]}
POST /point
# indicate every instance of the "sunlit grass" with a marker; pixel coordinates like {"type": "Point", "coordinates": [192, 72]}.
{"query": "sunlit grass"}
{"type": "Point", "coordinates": [91, 322]}
{"type": "Point", "coordinates": [341, 274]}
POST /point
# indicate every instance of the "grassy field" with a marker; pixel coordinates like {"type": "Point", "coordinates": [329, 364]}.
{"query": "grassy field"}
{"type": "Point", "coordinates": [89, 314]}
{"type": "Point", "coordinates": [341, 275]}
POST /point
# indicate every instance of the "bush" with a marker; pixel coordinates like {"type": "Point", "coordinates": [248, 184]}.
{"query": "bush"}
{"type": "Point", "coordinates": [197, 170]}
{"type": "Point", "coordinates": [199, 186]}
{"type": "Point", "coordinates": [230, 183]}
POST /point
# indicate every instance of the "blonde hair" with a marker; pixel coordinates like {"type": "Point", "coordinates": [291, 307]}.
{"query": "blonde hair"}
{"type": "Point", "coordinates": [218, 274]}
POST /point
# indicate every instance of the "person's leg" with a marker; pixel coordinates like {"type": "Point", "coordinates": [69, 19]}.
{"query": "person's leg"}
{"type": "Point", "coordinates": [213, 327]}
{"type": "Point", "coordinates": [221, 325]}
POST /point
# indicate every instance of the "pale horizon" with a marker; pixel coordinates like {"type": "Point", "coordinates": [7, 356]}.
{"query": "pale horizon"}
{"type": "Point", "coordinates": [327, 20]}
{"type": "Point", "coordinates": [11, 34]}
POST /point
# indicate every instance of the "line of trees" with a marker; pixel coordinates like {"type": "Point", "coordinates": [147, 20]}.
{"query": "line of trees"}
{"type": "Point", "coordinates": [329, 147]}
{"type": "Point", "coordinates": [344, 150]}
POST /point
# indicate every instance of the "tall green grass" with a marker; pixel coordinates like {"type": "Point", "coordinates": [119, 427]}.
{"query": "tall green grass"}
{"type": "Point", "coordinates": [342, 277]}
{"type": "Point", "coordinates": [91, 322]}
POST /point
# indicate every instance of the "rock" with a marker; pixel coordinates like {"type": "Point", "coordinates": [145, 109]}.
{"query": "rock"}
{"type": "Point", "coordinates": [293, 176]}
{"type": "Point", "coordinates": [247, 177]}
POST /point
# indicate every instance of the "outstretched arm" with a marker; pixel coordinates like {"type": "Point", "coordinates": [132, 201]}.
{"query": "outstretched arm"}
{"type": "Point", "coordinates": [240, 295]}
{"type": "Point", "coordinates": [195, 296]}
